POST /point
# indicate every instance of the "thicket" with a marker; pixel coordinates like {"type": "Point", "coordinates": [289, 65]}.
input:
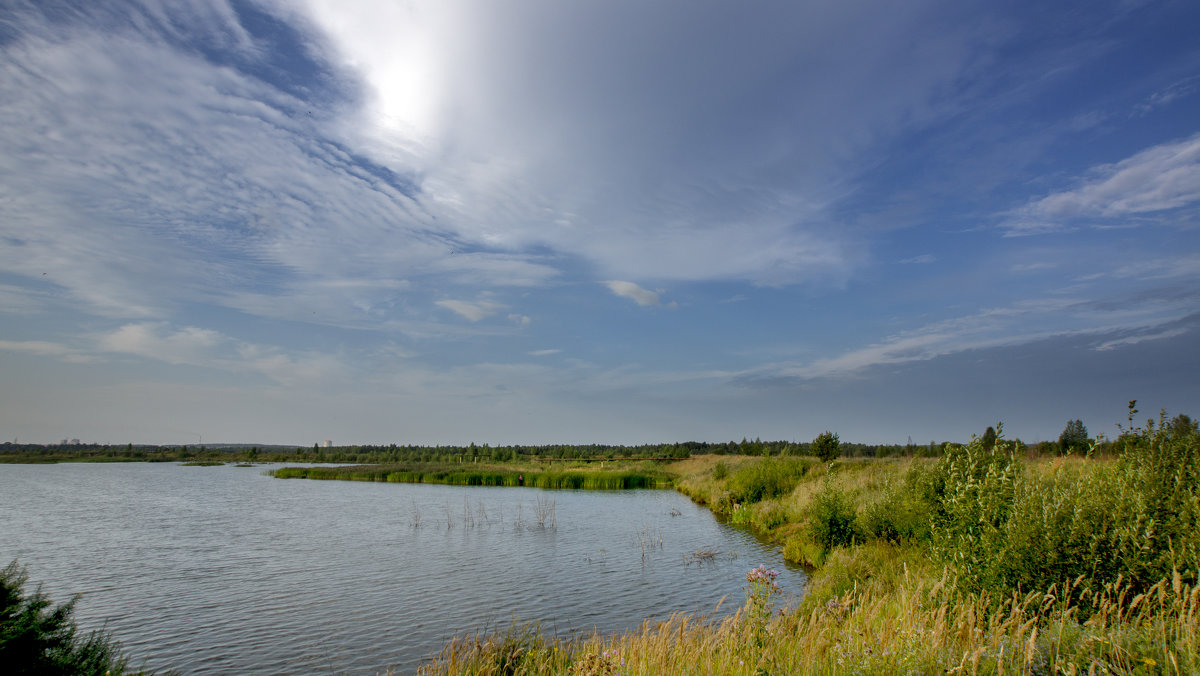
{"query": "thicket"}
{"type": "Point", "coordinates": [1001, 521]}
{"type": "Point", "coordinates": [1135, 518]}
{"type": "Point", "coordinates": [37, 637]}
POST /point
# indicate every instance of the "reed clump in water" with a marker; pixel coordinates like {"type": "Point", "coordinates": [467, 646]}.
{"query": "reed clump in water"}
{"type": "Point", "coordinates": [589, 480]}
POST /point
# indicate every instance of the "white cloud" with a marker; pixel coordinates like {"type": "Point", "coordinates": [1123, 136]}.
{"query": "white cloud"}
{"type": "Point", "coordinates": [1134, 340]}
{"type": "Point", "coordinates": [472, 310]}
{"type": "Point", "coordinates": [18, 300]}
{"type": "Point", "coordinates": [919, 260]}
{"type": "Point", "coordinates": [206, 348]}
{"type": "Point", "coordinates": [1157, 179]}
{"type": "Point", "coordinates": [529, 131]}
{"type": "Point", "coordinates": [1033, 267]}
{"type": "Point", "coordinates": [544, 353]}
{"type": "Point", "coordinates": [189, 345]}
{"type": "Point", "coordinates": [44, 348]}
{"type": "Point", "coordinates": [1017, 324]}
{"type": "Point", "coordinates": [1168, 95]}
{"type": "Point", "coordinates": [137, 177]}
{"type": "Point", "coordinates": [494, 269]}
{"type": "Point", "coordinates": [633, 292]}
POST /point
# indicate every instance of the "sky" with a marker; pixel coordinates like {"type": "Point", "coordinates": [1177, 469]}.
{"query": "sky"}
{"type": "Point", "coordinates": [524, 222]}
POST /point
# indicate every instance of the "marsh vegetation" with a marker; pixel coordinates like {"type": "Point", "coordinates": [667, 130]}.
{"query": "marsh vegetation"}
{"type": "Point", "coordinates": [615, 476]}
{"type": "Point", "coordinates": [988, 559]}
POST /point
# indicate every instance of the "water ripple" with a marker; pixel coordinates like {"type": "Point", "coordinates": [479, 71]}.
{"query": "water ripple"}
{"type": "Point", "coordinates": [223, 570]}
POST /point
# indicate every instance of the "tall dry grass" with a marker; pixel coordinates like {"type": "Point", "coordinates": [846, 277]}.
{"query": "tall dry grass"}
{"type": "Point", "coordinates": [924, 625]}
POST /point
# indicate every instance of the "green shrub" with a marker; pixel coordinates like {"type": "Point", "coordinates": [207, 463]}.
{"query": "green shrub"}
{"type": "Point", "coordinates": [36, 638]}
{"type": "Point", "coordinates": [899, 515]}
{"type": "Point", "coordinates": [1089, 522]}
{"type": "Point", "coordinates": [765, 479]}
{"type": "Point", "coordinates": [802, 550]}
{"type": "Point", "coordinates": [831, 518]}
{"type": "Point", "coordinates": [720, 471]}
{"type": "Point", "coordinates": [768, 516]}
{"type": "Point", "coordinates": [976, 484]}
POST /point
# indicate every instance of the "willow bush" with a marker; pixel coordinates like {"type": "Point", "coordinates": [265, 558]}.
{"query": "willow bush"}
{"type": "Point", "coordinates": [1005, 528]}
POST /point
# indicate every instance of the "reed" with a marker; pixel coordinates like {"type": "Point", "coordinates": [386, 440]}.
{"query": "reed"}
{"type": "Point", "coordinates": [545, 513]}
{"type": "Point", "coordinates": [586, 480]}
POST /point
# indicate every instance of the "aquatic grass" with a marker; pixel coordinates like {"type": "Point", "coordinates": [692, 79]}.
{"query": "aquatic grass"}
{"type": "Point", "coordinates": [584, 480]}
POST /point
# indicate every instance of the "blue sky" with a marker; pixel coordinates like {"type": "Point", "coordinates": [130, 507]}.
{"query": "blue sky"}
{"type": "Point", "coordinates": [442, 221]}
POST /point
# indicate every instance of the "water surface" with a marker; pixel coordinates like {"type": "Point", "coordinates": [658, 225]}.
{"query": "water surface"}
{"type": "Point", "coordinates": [217, 570]}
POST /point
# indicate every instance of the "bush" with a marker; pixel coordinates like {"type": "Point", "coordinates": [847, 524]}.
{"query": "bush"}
{"type": "Point", "coordinates": [765, 479]}
{"type": "Point", "coordinates": [1088, 523]}
{"type": "Point", "coordinates": [972, 489]}
{"type": "Point", "coordinates": [832, 517]}
{"type": "Point", "coordinates": [38, 639]}
{"type": "Point", "coordinates": [898, 516]}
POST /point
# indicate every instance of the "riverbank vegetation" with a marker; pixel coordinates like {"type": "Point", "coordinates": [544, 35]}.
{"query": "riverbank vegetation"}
{"type": "Point", "coordinates": [987, 559]}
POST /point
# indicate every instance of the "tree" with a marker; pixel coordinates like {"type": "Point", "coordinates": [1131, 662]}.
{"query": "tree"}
{"type": "Point", "coordinates": [38, 639]}
{"type": "Point", "coordinates": [1182, 425]}
{"type": "Point", "coordinates": [1074, 437]}
{"type": "Point", "coordinates": [826, 446]}
{"type": "Point", "coordinates": [989, 438]}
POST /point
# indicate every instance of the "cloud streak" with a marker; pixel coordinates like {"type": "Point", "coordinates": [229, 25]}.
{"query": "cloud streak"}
{"type": "Point", "coordinates": [42, 348]}
{"type": "Point", "coordinates": [471, 310]}
{"type": "Point", "coordinates": [633, 292]}
{"type": "Point", "coordinates": [1157, 179]}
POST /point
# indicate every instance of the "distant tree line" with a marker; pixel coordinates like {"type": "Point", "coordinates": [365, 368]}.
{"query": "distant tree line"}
{"type": "Point", "coordinates": [397, 453]}
{"type": "Point", "coordinates": [826, 446]}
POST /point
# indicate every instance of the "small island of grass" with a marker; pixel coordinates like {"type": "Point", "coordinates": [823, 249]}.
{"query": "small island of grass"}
{"type": "Point", "coordinates": [612, 475]}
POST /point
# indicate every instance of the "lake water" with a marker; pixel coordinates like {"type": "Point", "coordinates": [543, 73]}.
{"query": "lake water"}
{"type": "Point", "coordinates": [220, 570]}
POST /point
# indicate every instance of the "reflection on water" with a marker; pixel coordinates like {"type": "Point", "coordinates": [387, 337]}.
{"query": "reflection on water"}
{"type": "Point", "coordinates": [225, 570]}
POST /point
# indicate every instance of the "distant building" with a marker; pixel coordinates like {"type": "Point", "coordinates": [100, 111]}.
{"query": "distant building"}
{"type": "Point", "coordinates": [63, 442]}
{"type": "Point", "coordinates": [75, 441]}
{"type": "Point", "coordinates": [328, 443]}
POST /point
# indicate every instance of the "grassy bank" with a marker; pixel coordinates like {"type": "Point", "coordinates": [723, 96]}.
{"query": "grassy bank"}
{"type": "Point", "coordinates": [612, 476]}
{"type": "Point", "coordinates": [981, 561]}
